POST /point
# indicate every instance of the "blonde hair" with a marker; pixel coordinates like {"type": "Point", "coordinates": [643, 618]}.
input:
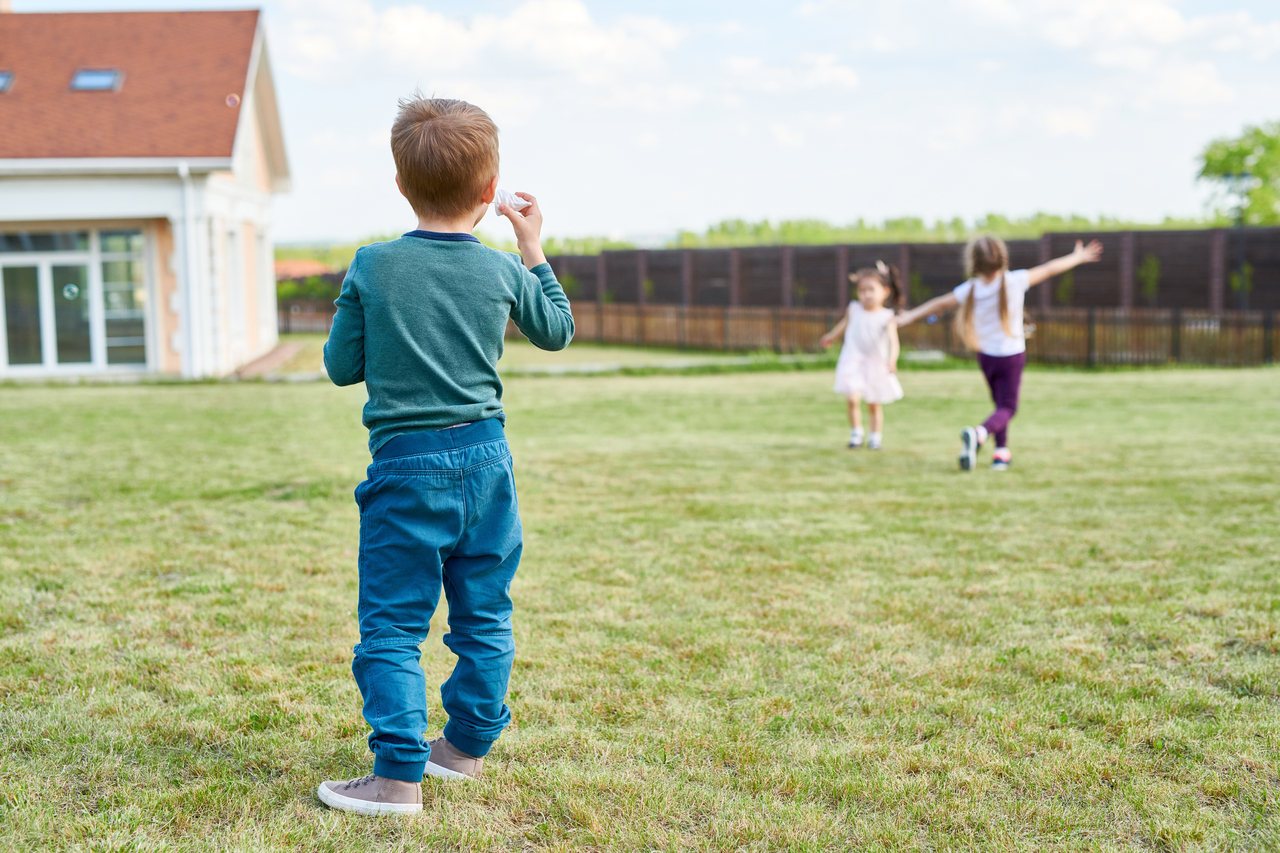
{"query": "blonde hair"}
{"type": "Point", "coordinates": [446, 152]}
{"type": "Point", "coordinates": [983, 256]}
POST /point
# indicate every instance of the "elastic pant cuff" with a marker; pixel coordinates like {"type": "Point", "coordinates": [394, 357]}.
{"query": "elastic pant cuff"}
{"type": "Point", "coordinates": [405, 771]}
{"type": "Point", "coordinates": [466, 743]}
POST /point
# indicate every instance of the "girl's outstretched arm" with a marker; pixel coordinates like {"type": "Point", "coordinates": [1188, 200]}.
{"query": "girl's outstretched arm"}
{"type": "Point", "coordinates": [832, 336]}
{"type": "Point", "coordinates": [936, 305]}
{"type": "Point", "coordinates": [1082, 255]}
{"type": "Point", "coordinates": [894, 346]}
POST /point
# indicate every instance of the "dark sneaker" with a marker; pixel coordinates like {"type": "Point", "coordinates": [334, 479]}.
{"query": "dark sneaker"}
{"type": "Point", "coordinates": [968, 449]}
{"type": "Point", "coordinates": [1001, 460]}
{"type": "Point", "coordinates": [372, 795]}
{"type": "Point", "coordinates": [449, 762]}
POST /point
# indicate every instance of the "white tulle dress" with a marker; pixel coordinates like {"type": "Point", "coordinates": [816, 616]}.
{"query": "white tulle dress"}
{"type": "Point", "coordinates": [863, 368]}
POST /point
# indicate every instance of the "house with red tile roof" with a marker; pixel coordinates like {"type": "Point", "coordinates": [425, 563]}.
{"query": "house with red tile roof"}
{"type": "Point", "coordinates": [139, 154]}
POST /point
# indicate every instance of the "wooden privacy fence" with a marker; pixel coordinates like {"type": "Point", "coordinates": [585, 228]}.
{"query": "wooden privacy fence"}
{"type": "Point", "coordinates": [1213, 269]}
{"type": "Point", "coordinates": [1082, 336]}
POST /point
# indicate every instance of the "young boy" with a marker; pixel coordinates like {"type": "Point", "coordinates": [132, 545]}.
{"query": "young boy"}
{"type": "Point", "coordinates": [421, 322]}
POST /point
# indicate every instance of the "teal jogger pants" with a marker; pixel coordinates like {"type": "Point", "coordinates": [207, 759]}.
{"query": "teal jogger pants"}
{"type": "Point", "coordinates": [437, 512]}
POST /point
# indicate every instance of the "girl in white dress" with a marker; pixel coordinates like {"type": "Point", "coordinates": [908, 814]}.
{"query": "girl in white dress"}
{"type": "Point", "coordinates": [868, 365]}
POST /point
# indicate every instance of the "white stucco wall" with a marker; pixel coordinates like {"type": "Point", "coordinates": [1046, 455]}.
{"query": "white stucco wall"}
{"type": "Point", "coordinates": [219, 330]}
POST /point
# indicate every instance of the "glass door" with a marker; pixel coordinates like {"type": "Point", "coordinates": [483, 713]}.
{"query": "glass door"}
{"type": "Point", "coordinates": [73, 300]}
{"type": "Point", "coordinates": [71, 313]}
{"type": "Point", "coordinates": [22, 314]}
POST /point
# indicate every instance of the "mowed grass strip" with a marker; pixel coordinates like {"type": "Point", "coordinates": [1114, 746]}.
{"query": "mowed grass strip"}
{"type": "Point", "coordinates": [732, 632]}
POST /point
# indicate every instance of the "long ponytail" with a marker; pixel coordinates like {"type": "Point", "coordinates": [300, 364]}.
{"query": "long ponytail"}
{"type": "Point", "coordinates": [983, 256]}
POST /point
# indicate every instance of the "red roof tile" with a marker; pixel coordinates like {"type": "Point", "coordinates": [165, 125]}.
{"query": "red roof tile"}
{"type": "Point", "coordinates": [179, 69]}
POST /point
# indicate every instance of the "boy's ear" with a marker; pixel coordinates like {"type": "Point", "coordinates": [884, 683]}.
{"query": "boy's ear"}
{"type": "Point", "coordinates": [491, 191]}
{"type": "Point", "coordinates": [400, 188]}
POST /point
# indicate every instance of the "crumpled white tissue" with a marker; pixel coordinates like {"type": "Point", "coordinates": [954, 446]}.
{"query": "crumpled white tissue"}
{"type": "Point", "coordinates": [508, 198]}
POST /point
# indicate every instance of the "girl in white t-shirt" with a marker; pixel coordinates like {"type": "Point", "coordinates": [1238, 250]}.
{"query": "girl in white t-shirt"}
{"type": "Point", "coordinates": [869, 356]}
{"type": "Point", "coordinates": [990, 321]}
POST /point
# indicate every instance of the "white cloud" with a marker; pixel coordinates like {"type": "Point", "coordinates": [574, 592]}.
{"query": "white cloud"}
{"type": "Point", "coordinates": [1193, 84]}
{"type": "Point", "coordinates": [1129, 33]}
{"type": "Point", "coordinates": [1069, 121]}
{"type": "Point", "coordinates": [812, 71]}
{"type": "Point", "coordinates": [557, 37]}
{"type": "Point", "coordinates": [786, 136]}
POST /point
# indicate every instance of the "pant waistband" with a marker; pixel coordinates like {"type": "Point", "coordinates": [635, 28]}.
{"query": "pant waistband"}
{"type": "Point", "coordinates": [437, 440]}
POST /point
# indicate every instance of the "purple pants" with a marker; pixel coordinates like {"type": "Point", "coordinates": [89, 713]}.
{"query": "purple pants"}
{"type": "Point", "coordinates": [1004, 377]}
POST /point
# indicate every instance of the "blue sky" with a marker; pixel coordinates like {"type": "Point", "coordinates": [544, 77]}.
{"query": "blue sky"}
{"type": "Point", "coordinates": [636, 119]}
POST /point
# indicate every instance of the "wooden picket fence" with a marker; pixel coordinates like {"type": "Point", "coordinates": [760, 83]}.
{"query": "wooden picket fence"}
{"type": "Point", "coordinates": [1080, 336]}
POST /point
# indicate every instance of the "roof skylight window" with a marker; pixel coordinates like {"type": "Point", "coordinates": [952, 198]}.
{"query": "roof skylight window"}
{"type": "Point", "coordinates": [96, 80]}
{"type": "Point", "coordinates": [6, 80]}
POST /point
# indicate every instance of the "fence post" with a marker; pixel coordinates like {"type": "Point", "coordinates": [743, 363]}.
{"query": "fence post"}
{"type": "Point", "coordinates": [1268, 337]}
{"type": "Point", "coordinates": [1217, 268]}
{"type": "Point", "coordinates": [1093, 336]}
{"type": "Point", "coordinates": [601, 286]}
{"type": "Point", "coordinates": [1127, 250]}
{"type": "Point", "coordinates": [642, 273]}
{"type": "Point", "coordinates": [777, 330]}
{"type": "Point", "coordinates": [682, 326]}
{"type": "Point", "coordinates": [842, 276]}
{"type": "Point", "coordinates": [735, 276]}
{"type": "Point", "coordinates": [788, 275]}
{"type": "Point", "coordinates": [1046, 252]}
{"type": "Point", "coordinates": [904, 269]}
{"type": "Point", "coordinates": [1175, 336]}
{"type": "Point", "coordinates": [686, 277]}
{"type": "Point", "coordinates": [724, 332]}
{"type": "Point", "coordinates": [640, 325]}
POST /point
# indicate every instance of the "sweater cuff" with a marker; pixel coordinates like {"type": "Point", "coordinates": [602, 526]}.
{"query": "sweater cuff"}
{"type": "Point", "coordinates": [543, 270]}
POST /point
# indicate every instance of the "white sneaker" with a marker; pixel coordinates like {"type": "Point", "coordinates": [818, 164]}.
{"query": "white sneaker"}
{"type": "Point", "coordinates": [855, 439]}
{"type": "Point", "coordinates": [968, 448]}
{"type": "Point", "coordinates": [873, 441]}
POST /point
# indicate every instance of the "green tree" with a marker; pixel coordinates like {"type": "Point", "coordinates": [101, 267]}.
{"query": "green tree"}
{"type": "Point", "coordinates": [917, 291]}
{"type": "Point", "coordinates": [1149, 275]}
{"type": "Point", "coordinates": [1066, 288]}
{"type": "Point", "coordinates": [1256, 151]}
{"type": "Point", "coordinates": [1242, 280]}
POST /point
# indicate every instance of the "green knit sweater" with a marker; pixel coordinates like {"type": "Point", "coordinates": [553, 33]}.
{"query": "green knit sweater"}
{"type": "Point", "coordinates": [421, 321]}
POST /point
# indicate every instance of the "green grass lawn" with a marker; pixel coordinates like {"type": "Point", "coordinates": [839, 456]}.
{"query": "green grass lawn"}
{"type": "Point", "coordinates": [522, 354]}
{"type": "Point", "coordinates": [732, 632]}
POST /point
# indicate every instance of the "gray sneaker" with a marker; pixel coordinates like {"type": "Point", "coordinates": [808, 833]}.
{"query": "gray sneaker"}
{"type": "Point", "coordinates": [968, 449]}
{"type": "Point", "coordinates": [449, 762]}
{"type": "Point", "coordinates": [372, 795]}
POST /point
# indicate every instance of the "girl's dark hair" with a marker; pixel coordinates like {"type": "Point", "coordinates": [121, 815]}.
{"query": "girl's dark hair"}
{"type": "Point", "coordinates": [886, 274]}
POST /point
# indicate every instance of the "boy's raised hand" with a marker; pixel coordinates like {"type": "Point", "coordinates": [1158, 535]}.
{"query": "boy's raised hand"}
{"type": "Point", "coordinates": [527, 224]}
